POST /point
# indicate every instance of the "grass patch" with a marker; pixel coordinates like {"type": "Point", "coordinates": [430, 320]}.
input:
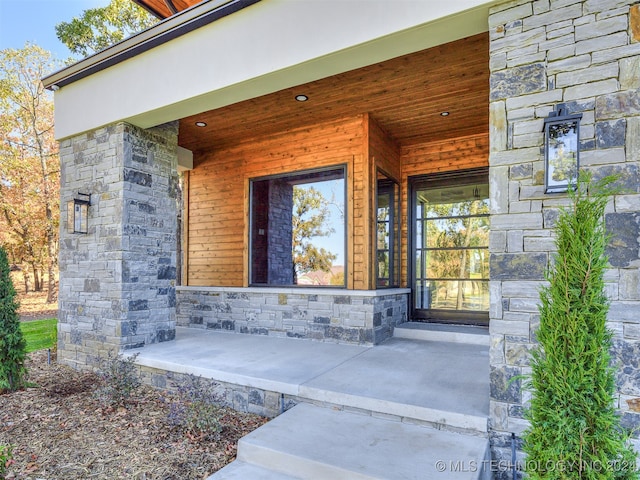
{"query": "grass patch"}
{"type": "Point", "coordinates": [40, 334]}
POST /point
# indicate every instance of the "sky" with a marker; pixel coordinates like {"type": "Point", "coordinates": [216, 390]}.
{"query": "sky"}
{"type": "Point", "coordinates": [35, 20]}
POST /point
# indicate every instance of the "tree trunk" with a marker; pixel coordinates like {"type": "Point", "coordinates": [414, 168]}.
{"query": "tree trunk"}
{"type": "Point", "coordinates": [37, 280]}
{"type": "Point", "coordinates": [51, 287]}
{"type": "Point", "coordinates": [50, 231]}
{"type": "Point", "coordinates": [27, 280]}
{"type": "Point", "coordinates": [463, 262]}
{"type": "Point", "coordinates": [463, 268]}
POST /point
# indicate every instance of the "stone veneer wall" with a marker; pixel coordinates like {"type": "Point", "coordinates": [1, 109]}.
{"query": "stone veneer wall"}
{"type": "Point", "coordinates": [586, 54]}
{"type": "Point", "coordinates": [345, 316]}
{"type": "Point", "coordinates": [117, 283]}
{"type": "Point", "coordinates": [241, 398]}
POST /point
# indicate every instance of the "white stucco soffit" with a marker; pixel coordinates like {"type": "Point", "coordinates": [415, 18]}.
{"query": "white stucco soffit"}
{"type": "Point", "coordinates": [263, 48]}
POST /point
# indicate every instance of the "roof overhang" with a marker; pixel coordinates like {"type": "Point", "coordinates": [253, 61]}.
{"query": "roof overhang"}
{"type": "Point", "coordinates": [205, 58]}
{"type": "Point", "coordinates": [176, 26]}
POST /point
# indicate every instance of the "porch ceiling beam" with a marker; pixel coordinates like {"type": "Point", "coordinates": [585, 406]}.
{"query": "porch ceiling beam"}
{"type": "Point", "coordinates": [171, 6]}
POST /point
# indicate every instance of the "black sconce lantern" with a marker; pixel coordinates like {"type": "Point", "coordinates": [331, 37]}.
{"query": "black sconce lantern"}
{"type": "Point", "coordinates": [78, 213]}
{"type": "Point", "coordinates": [561, 149]}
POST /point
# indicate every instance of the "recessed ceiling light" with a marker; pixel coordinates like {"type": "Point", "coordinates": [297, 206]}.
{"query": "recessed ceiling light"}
{"type": "Point", "coordinates": [444, 114]}
{"type": "Point", "coordinates": [201, 124]}
{"type": "Point", "coordinates": [302, 98]}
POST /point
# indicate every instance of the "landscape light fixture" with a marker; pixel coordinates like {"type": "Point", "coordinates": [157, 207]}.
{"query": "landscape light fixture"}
{"type": "Point", "coordinates": [561, 149]}
{"type": "Point", "coordinates": [78, 213]}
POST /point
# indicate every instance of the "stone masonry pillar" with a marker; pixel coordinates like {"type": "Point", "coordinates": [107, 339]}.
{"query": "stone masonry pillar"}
{"type": "Point", "coordinates": [117, 283]}
{"type": "Point", "coordinates": [585, 53]}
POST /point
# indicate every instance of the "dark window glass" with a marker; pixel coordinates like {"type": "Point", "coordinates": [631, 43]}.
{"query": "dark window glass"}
{"type": "Point", "coordinates": [387, 232]}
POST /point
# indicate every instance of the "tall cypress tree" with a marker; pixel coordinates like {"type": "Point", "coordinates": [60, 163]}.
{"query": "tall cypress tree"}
{"type": "Point", "coordinates": [12, 344]}
{"type": "Point", "coordinates": [575, 432]}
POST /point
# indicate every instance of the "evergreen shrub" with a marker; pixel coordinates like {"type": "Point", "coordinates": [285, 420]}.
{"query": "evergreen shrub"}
{"type": "Point", "coordinates": [575, 431]}
{"type": "Point", "coordinates": [12, 344]}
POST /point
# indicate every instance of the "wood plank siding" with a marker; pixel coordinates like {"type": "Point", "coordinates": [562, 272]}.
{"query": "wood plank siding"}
{"type": "Point", "coordinates": [384, 155]}
{"type": "Point", "coordinates": [219, 204]}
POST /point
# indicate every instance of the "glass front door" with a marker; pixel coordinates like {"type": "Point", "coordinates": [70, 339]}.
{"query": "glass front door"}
{"type": "Point", "coordinates": [451, 250]}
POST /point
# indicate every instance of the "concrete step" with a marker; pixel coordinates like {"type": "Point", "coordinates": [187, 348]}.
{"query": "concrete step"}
{"type": "Point", "coordinates": [441, 383]}
{"type": "Point", "coordinates": [245, 471]}
{"type": "Point", "coordinates": [439, 332]}
{"type": "Point", "coordinates": [310, 442]}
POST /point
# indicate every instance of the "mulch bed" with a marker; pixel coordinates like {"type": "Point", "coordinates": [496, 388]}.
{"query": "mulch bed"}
{"type": "Point", "coordinates": [61, 431]}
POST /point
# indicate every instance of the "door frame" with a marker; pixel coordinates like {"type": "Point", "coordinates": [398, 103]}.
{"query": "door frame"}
{"type": "Point", "coordinates": [474, 175]}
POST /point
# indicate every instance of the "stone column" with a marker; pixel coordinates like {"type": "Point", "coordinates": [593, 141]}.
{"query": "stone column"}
{"type": "Point", "coordinates": [117, 283]}
{"type": "Point", "coordinates": [587, 55]}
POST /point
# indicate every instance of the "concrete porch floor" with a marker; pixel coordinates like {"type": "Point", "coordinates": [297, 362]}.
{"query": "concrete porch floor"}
{"type": "Point", "coordinates": [436, 382]}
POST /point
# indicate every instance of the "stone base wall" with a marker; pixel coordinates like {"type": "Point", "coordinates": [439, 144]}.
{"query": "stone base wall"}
{"type": "Point", "coordinates": [241, 398]}
{"type": "Point", "coordinates": [362, 317]}
{"type": "Point", "coordinates": [586, 54]}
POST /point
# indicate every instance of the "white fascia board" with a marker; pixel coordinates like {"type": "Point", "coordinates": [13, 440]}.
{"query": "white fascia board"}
{"type": "Point", "coordinates": [271, 45]}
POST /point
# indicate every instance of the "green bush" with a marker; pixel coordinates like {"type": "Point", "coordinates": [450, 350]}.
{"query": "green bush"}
{"type": "Point", "coordinates": [6, 455]}
{"type": "Point", "coordinates": [120, 380]}
{"type": "Point", "coordinates": [575, 432]}
{"type": "Point", "coordinates": [12, 345]}
{"type": "Point", "coordinates": [197, 408]}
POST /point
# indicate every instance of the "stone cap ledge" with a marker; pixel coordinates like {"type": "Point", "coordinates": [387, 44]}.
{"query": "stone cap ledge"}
{"type": "Point", "coordinates": [299, 291]}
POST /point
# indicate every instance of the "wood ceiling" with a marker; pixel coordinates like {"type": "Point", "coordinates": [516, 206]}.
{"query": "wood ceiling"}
{"type": "Point", "coordinates": [165, 8]}
{"type": "Point", "coordinates": [406, 96]}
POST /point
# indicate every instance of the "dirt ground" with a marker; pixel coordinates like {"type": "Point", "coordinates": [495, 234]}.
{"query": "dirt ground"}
{"type": "Point", "coordinates": [33, 306]}
{"type": "Point", "coordinates": [60, 430]}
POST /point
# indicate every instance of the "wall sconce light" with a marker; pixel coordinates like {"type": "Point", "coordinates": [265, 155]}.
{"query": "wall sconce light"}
{"type": "Point", "coordinates": [78, 213]}
{"type": "Point", "coordinates": [561, 149]}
